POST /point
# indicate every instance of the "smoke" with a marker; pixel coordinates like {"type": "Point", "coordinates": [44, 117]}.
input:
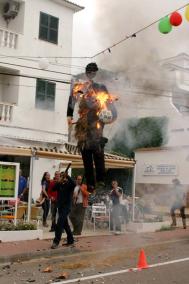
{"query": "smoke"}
{"type": "Point", "coordinates": [144, 86]}
{"type": "Point", "coordinates": [117, 19]}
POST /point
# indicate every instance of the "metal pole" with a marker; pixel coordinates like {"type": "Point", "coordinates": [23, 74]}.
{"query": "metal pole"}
{"type": "Point", "coordinates": [30, 185]}
{"type": "Point", "coordinates": [133, 193]}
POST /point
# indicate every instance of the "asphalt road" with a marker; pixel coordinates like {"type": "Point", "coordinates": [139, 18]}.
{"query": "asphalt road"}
{"type": "Point", "coordinates": [95, 264]}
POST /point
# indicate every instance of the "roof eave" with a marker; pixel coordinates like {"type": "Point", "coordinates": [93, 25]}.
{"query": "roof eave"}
{"type": "Point", "coordinates": [71, 5]}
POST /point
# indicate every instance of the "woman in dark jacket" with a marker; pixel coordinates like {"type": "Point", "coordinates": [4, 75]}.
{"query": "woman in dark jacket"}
{"type": "Point", "coordinates": [44, 191]}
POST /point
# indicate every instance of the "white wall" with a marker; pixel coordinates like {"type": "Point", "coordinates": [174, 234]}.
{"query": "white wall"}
{"type": "Point", "coordinates": [31, 29]}
{"type": "Point", "coordinates": [42, 165]}
{"type": "Point", "coordinates": [175, 156]}
{"type": "Point", "coordinates": [25, 113]}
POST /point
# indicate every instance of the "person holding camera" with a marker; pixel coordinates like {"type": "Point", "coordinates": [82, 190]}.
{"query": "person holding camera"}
{"type": "Point", "coordinates": [115, 196]}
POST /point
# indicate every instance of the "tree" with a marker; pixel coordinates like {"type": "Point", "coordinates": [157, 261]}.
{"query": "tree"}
{"type": "Point", "coordinates": [138, 133]}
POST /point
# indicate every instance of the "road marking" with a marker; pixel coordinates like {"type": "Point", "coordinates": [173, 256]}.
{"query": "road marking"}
{"type": "Point", "coordinates": [121, 271]}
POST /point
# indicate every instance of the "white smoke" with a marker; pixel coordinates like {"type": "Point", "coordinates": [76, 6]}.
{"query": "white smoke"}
{"type": "Point", "coordinates": [116, 19]}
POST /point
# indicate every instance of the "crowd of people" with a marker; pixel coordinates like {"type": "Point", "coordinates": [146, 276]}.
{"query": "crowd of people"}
{"type": "Point", "coordinates": [68, 199]}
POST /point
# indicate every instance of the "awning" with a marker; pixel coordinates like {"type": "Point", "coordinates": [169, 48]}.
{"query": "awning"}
{"type": "Point", "coordinates": [69, 152]}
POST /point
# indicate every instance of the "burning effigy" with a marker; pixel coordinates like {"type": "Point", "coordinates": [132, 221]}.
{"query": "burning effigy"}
{"type": "Point", "coordinates": [96, 109]}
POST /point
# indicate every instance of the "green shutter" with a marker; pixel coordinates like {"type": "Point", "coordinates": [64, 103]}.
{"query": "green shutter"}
{"type": "Point", "coordinates": [48, 28]}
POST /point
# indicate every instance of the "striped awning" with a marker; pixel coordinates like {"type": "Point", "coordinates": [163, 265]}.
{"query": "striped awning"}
{"type": "Point", "coordinates": [69, 152]}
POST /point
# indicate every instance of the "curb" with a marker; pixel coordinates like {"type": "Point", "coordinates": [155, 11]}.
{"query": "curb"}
{"type": "Point", "coordinates": [45, 253]}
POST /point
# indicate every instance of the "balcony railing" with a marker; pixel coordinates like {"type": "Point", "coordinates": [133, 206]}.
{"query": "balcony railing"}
{"type": "Point", "coordinates": [6, 111]}
{"type": "Point", "coordinates": [8, 38]}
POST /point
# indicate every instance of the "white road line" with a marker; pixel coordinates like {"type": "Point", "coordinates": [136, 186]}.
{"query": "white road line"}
{"type": "Point", "coordinates": [121, 271]}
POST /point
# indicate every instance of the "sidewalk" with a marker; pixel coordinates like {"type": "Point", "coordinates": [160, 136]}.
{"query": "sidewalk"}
{"type": "Point", "coordinates": [25, 250]}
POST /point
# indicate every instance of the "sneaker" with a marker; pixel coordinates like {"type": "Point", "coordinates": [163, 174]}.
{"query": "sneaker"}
{"type": "Point", "coordinates": [67, 244]}
{"type": "Point", "coordinates": [54, 246]}
{"type": "Point", "coordinates": [117, 233]}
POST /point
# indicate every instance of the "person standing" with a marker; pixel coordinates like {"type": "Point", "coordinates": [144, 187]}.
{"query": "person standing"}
{"type": "Point", "coordinates": [44, 192]}
{"type": "Point", "coordinates": [53, 198]}
{"type": "Point", "coordinates": [80, 203]}
{"type": "Point", "coordinates": [115, 196]}
{"type": "Point", "coordinates": [64, 190]}
{"type": "Point", "coordinates": [89, 127]}
{"type": "Point", "coordinates": [179, 197]}
{"type": "Point", "coordinates": [22, 184]}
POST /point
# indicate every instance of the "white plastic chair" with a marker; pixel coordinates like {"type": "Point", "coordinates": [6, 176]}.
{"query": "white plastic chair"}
{"type": "Point", "coordinates": [100, 213]}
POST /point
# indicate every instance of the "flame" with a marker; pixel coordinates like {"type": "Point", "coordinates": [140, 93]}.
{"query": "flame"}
{"type": "Point", "coordinates": [104, 97]}
{"type": "Point", "coordinates": [98, 125]}
{"type": "Point", "coordinates": [78, 87]}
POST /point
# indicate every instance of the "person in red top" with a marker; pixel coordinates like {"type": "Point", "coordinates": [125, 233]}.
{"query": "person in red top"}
{"type": "Point", "coordinates": [80, 203]}
{"type": "Point", "coordinates": [53, 197]}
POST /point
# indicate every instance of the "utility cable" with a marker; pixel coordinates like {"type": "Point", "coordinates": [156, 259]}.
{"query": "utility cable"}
{"type": "Point", "coordinates": [34, 68]}
{"type": "Point", "coordinates": [133, 35]}
{"type": "Point", "coordinates": [34, 77]}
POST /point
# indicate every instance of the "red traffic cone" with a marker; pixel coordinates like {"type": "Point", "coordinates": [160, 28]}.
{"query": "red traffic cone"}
{"type": "Point", "coordinates": [142, 262]}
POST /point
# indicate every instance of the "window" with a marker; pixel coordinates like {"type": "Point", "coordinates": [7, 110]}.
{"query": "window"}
{"type": "Point", "coordinates": [45, 94]}
{"type": "Point", "coordinates": [48, 28]}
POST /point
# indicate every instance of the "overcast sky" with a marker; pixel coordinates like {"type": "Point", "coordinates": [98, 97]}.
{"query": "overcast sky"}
{"type": "Point", "coordinates": [104, 22]}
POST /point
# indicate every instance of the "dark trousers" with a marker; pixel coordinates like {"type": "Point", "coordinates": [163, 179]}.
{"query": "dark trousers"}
{"type": "Point", "coordinates": [62, 224]}
{"type": "Point", "coordinates": [96, 155]}
{"type": "Point", "coordinates": [45, 206]}
{"type": "Point", "coordinates": [115, 222]}
{"type": "Point", "coordinates": [77, 217]}
{"type": "Point", "coordinates": [53, 214]}
{"type": "Point", "coordinates": [181, 208]}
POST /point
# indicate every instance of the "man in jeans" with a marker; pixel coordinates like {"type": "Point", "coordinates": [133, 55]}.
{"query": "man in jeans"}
{"type": "Point", "coordinates": [80, 203]}
{"type": "Point", "coordinates": [53, 197]}
{"type": "Point", "coordinates": [64, 188]}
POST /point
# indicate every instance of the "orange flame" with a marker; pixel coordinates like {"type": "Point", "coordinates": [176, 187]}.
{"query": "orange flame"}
{"type": "Point", "coordinates": [98, 125]}
{"type": "Point", "coordinates": [104, 97]}
{"type": "Point", "coordinates": [78, 87]}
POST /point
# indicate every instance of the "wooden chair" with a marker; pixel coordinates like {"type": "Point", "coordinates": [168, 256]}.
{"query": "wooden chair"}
{"type": "Point", "coordinates": [9, 214]}
{"type": "Point", "coordinates": [36, 214]}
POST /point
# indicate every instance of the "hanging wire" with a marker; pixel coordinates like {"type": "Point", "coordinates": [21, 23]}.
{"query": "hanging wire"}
{"type": "Point", "coordinates": [36, 77]}
{"type": "Point", "coordinates": [133, 35]}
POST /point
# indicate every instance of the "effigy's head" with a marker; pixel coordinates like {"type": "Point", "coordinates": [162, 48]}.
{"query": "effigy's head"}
{"type": "Point", "coordinates": [91, 70]}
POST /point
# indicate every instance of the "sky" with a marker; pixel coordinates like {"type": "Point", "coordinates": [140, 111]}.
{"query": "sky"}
{"type": "Point", "coordinates": [105, 22]}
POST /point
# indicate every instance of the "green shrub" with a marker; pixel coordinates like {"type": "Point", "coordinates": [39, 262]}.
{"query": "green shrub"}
{"type": "Point", "coordinates": [7, 227]}
{"type": "Point", "coordinates": [18, 227]}
{"type": "Point", "coordinates": [165, 228]}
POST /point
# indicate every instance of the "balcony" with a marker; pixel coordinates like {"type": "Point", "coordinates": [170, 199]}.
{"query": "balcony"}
{"type": "Point", "coordinates": [6, 110]}
{"type": "Point", "coordinates": [8, 38]}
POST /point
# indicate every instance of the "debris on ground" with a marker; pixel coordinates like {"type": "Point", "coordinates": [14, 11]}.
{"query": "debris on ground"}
{"type": "Point", "coordinates": [48, 269]}
{"type": "Point", "coordinates": [63, 275]}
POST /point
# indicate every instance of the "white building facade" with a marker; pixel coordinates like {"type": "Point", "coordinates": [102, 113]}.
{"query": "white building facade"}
{"type": "Point", "coordinates": [157, 167]}
{"type": "Point", "coordinates": [35, 74]}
